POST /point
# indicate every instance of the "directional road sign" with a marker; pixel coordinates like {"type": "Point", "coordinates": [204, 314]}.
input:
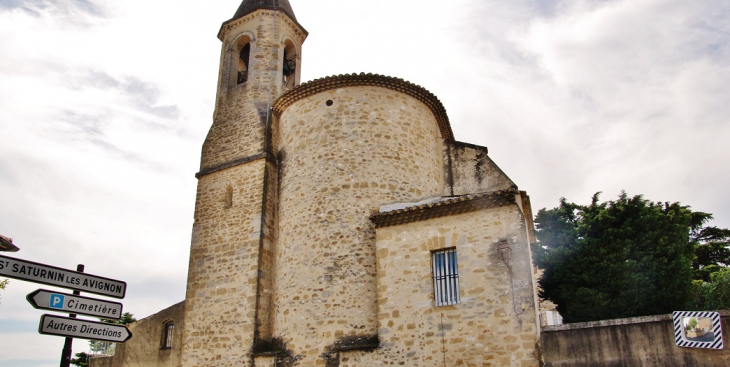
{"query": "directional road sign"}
{"type": "Point", "coordinates": [51, 275]}
{"type": "Point", "coordinates": [69, 303]}
{"type": "Point", "coordinates": [75, 328]}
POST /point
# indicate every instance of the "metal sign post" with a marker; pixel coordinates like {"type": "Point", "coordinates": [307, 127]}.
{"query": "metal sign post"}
{"type": "Point", "coordinates": [69, 327]}
{"type": "Point", "coordinates": [66, 352]}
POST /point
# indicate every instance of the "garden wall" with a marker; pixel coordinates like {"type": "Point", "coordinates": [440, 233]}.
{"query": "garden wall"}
{"type": "Point", "coordinates": [635, 342]}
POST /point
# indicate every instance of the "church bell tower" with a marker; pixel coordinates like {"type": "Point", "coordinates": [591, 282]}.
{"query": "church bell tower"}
{"type": "Point", "coordinates": [229, 294]}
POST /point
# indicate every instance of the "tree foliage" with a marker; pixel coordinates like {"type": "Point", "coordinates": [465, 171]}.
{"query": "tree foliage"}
{"type": "Point", "coordinates": [712, 252]}
{"type": "Point", "coordinates": [127, 318]}
{"type": "Point", "coordinates": [81, 360]}
{"type": "Point", "coordinates": [713, 294]}
{"type": "Point", "coordinates": [621, 258]}
{"type": "Point", "coordinates": [3, 283]}
{"type": "Point", "coordinates": [103, 347]}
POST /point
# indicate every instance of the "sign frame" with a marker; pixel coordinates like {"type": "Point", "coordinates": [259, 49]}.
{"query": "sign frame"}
{"type": "Point", "coordinates": [688, 336]}
{"type": "Point", "coordinates": [15, 268]}
{"type": "Point", "coordinates": [67, 298]}
{"type": "Point", "coordinates": [75, 324]}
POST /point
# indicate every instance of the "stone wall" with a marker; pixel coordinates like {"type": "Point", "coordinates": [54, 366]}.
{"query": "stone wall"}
{"type": "Point", "coordinates": [224, 260]}
{"type": "Point", "coordinates": [145, 349]}
{"type": "Point", "coordinates": [344, 152]}
{"type": "Point", "coordinates": [495, 323]}
{"type": "Point", "coordinates": [469, 170]}
{"type": "Point", "coordinates": [637, 342]}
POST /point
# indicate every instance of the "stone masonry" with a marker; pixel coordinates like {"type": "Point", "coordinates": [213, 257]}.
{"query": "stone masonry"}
{"type": "Point", "coordinates": [319, 210]}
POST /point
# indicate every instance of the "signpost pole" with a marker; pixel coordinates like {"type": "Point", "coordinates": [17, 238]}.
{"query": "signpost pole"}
{"type": "Point", "coordinates": [66, 353]}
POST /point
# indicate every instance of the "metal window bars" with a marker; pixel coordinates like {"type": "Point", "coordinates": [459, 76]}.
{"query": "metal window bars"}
{"type": "Point", "coordinates": [445, 278]}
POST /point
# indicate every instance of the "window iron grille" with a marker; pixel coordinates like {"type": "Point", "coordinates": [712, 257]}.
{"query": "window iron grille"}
{"type": "Point", "coordinates": [445, 278]}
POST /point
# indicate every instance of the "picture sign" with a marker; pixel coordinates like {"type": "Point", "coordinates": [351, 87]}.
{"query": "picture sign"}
{"type": "Point", "coordinates": [698, 329]}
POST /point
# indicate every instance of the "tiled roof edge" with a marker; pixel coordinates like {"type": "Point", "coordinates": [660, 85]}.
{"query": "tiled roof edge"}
{"type": "Point", "coordinates": [355, 80]}
{"type": "Point", "coordinates": [6, 244]}
{"type": "Point", "coordinates": [233, 22]}
{"type": "Point", "coordinates": [456, 205]}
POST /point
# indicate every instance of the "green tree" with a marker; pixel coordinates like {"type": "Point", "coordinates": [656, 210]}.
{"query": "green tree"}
{"type": "Point", "coordinates": [127, 318]}
{"type": "Point", "coordinates": [3, 283]}
{"type": "Point", "coordinates": [102, 347]}
{"type": "Point", "coordinates": [712, 252]}
{"type": "Point", "coordinates": [621, 258]}
{"type": "Point", "coordinates": [81, 360]}
{"type": "Point", "coordinates": [713, 294]}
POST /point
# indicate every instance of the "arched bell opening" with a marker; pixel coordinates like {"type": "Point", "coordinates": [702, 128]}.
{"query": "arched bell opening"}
{"type": "Point", "coordinates": [239, 55]}
{"type": "Point", "coordinates": [290, 65]}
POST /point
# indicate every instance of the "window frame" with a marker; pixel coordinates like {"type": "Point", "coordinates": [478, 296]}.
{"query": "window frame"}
{"type": "Point", "coordinates": [168, 329]}
{"type": "Point", "coordinates": [445, 276]}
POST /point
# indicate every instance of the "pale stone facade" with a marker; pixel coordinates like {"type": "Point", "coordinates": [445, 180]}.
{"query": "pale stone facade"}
{"type": "Point", "coordinates": [320, 208]}
{"type": "Point", "coordinates": [149, 346]}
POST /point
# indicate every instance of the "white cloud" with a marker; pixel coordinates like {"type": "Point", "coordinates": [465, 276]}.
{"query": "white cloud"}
{"type": "Point", "coordinates": [104, 107]}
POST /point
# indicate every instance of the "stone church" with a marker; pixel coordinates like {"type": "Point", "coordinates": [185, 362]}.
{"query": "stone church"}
{"type": "Point", "coordinates": [339, 223]}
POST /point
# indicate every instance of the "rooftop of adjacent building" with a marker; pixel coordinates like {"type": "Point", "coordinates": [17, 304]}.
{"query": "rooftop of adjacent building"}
{"type": "Point", "coordinates": [6, 244]}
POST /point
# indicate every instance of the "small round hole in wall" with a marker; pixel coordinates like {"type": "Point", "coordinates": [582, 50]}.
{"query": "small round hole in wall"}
{"type": "Point", "coordinates": [329, 102]}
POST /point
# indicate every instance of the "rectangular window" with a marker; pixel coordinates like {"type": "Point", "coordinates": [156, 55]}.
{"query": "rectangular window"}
{"type": "Point", "coordinates": [167, 337]}
{"type": "Point", "coordinates": [445, 277]}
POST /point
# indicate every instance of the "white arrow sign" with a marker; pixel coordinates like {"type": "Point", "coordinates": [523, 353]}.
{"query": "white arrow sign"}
{"type": "Point", "coordinates": [75, 328]}
{"type": "Point", "coordinates": [51, 275]}
{"type": "Point", "coordinates": [69, 303]}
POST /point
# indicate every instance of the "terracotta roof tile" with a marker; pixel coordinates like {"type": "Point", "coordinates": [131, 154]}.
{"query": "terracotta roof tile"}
{"type": "Point", "coordinates": [6, 244]}
{"type": "Point", "coordinates": [449, 206]}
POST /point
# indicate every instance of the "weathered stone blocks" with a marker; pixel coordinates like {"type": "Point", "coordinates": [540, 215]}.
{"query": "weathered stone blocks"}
{"type": "Point", "coordinates": [341, 161]}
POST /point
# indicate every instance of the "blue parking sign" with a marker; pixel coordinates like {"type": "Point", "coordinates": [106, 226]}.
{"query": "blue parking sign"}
{"type": "Point", "coordinates": [56, 301]}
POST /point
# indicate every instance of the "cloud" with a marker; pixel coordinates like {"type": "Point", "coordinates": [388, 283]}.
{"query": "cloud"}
{"type": "Point", "coordinates": [89, 128]}
{"type": "Point", "coordinates": [575, 97]}
{"type": "Point", "coordinates": [66, 9]}
{"type": "Point", "coordinates": [141, 95]}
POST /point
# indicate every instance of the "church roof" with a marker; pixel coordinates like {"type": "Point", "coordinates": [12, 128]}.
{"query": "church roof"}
{"type": "Point", "coordinates": [349, 80]}
{"type": "Point", "coordinates": [250, 6]}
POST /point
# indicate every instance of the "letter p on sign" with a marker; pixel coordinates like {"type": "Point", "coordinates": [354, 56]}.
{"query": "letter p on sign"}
{"type": "Point", "coordinates": [56, 301]}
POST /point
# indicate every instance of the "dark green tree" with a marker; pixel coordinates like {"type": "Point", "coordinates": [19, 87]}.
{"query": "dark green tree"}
{"type": "Point", "coordinates": [81, 360]}
{"type": "Point", "coordinates": [127, 318]}
{"type": "Point", "coordinates": [621, 258]}
{"type": "Point", "coordinates": [713, 294]}
{"type": "Point", "coordinates": [712, 252]}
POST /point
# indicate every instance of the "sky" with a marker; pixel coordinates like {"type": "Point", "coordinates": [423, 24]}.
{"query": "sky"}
{"type": "Point", "coordinates": [104, 106]}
